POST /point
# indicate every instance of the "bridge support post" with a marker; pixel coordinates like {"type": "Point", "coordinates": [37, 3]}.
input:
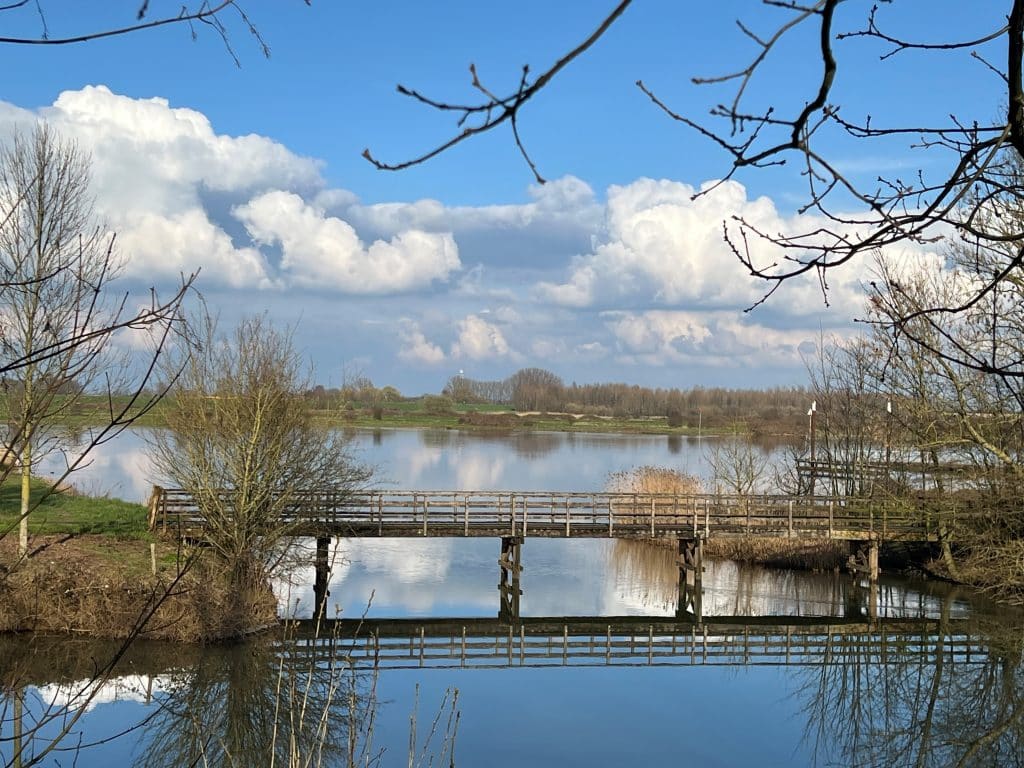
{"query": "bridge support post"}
{"type": "Point", "coordinates": [323, 575]}
{"type": "Point", "coordinates": [873, 571]}
{"type": "Point", "coordinates": [691, 578]}
{"type": "Point", "coordinates": [864, 564]}
{"type": "Point", "coordinates": [873, 562]}
{"type": "Point", "coordinates": [510, 566]}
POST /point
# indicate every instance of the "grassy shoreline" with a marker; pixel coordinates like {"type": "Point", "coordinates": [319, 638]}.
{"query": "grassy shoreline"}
{"type": "Point", "coordinates": [94, 411]}
{"type": "Point", "coordinates": [95, 568]}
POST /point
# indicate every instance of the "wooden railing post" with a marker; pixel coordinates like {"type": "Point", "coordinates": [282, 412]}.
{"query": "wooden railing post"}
{"type": "Point", "coordinates": [154, 507]}
{"type": "Point", "coordinates": [653, 503]}
{"type": "Point", "coordinates": [567, 534]}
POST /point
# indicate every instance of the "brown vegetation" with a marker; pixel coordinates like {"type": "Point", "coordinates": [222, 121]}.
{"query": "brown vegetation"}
{"type": "Point", "coordinates": [778, 553]}
{"type": "Point", "coordinates": [102, 587]}
{"type": "Point", "coordinates": [815, 555]}
{"type": "Point", "coordinates": [650, 479]}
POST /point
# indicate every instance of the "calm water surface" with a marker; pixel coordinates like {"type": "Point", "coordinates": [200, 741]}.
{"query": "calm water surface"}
{"type": "Point", "coordinates": [936, 682]}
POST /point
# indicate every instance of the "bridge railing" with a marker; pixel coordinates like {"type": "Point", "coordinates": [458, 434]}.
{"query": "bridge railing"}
{"type": "Point", "coordinates": [425, 647]}
{"type": "Point", "coordinates": [568, 514]}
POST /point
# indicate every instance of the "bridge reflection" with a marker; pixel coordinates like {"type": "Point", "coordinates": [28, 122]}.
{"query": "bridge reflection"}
{"type": "Point", "coordinates": [635, 641]}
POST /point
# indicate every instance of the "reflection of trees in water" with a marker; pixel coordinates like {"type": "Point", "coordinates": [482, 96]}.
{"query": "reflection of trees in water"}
{"type": "Point", "coordinates": [730, 589]}
{"type": "Point", "coordinates": [535, 445]}
{"type": "Point", "coordinates": [527, 445]}
{"type": "Point", "coordinates": [651, 567]}
{"type": "Point", "coordinates": [921, 710]}
{"type": "Point", "coordinates": [437, 438]}
{"type": "Point", "coordinates": [735, 589]}
{"type": "Point", "coordinates": [240, 706]}
{"type": "Point", "coordinates": [264, 702]}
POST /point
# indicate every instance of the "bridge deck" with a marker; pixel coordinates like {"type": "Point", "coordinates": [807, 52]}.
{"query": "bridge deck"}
{"type": "Point", "coordinates": [573, 515]}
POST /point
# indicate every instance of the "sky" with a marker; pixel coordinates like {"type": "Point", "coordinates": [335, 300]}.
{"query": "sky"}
{"type": "Point", "coordinates": [611, 271]}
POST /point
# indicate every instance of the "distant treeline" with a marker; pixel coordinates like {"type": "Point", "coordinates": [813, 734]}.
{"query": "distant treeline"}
{"type": "Point", "coordinates": [536, 389]}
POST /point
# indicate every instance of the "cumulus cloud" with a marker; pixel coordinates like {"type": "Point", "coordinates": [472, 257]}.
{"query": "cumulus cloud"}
{"type": "Point", "coordinates": [152, 166]}
{"type": "Point", "coordinates": [661, 337]}
{"type": "Point", "coordinates": [567, 201]}
{"type": "Point", "coordinates": [638, 275]}
{"type": "Point", "coordinates": [591, 349]}
{"type": "Point", "coordinates": [416, 348]}
{"type": "Point", "coordinates": [665, 245]}
{"type": "Point", "coordinates": [165, 181]}
{"type": "Point", "coordinates": [479, 340]}
{"type": "Point", "coordinates": [164, 247]}
{"type": "Point", "coordinates": [323, 251]}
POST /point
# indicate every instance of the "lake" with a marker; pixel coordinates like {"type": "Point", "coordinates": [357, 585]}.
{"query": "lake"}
{"type": "Point", "coordinates": [600, 672]}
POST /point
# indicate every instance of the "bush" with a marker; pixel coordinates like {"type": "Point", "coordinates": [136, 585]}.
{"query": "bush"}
{"type": "Point", "coordinates": [438, 405]}
{"type": "Point", "coordinates": [675, 418]}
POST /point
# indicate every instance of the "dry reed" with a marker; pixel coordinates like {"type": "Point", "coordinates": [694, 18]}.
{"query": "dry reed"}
{"type": "Point", "coordinates": [815, 555]}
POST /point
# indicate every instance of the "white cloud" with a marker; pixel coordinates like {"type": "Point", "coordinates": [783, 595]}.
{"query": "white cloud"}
{"type": "Point", "coordinates": [479, 340]}
{"type": "Point", "coordinates": [666, 245]}
{"type": "Point", "coordinates": [416, 347]}
{"type": "Point", "coordinates": [164, 179]}
{"type": "Point", "coordinates": [324, 251]}
{"type": "Point", "coordinates": [176, 148]}
{"type": "Point", "coordinates": [591, 349]}
{"type": "Point", "coordinates": [164, 247]}
{"type": "Point", "coordinates": [662, 337]}
{"type": "Point", "coordinates": [567, 201]}
{"type": "Point", "coordinates": [152, 166]}
{"type": "Point", "coordinates": [548, 349]}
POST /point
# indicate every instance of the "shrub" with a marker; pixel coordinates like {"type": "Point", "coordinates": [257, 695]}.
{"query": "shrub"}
{"type": "Point", "coordinates": [438, 404]}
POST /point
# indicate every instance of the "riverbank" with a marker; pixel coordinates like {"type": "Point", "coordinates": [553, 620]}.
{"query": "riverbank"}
{"type": "Point", "coordinates": [423, 413]}
{"type": "Point", "coordinates": [95, 570]}
{"type": "Point", "coordinates": [106, 586]}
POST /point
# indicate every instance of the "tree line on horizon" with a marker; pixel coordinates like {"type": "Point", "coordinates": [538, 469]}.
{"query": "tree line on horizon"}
{"type": "Point", "coordinates": [537, 389]}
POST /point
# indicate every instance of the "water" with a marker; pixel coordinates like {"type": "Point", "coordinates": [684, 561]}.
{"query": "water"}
{"type": "Point", "coordinates": [610, 682]}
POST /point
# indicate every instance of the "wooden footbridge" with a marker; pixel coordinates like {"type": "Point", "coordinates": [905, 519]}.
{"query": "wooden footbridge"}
{"type": "Point", "coordinates": [635, 641]}
{"type": "Point", "coordinates": [514, 516]}
{"type": "Point", "coordinates": [572, 515]}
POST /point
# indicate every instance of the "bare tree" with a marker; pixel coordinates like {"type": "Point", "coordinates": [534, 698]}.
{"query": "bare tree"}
{"type": "Point", "coordinates": [58, 312]}
{"type": "Point", "coordinates": [535, 389]}
{"type": "Point", "coordinates": [241, 441]}
{"type": "Point", "coordinates": [959, 418]}
{"type": "Point", "coordinates": [737, 464]}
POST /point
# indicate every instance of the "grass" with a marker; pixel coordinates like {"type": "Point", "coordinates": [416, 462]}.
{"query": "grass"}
{"type": "Point", "coordinates": [66, 512]}
{"type": "Point", "coordinates": [94, 410]}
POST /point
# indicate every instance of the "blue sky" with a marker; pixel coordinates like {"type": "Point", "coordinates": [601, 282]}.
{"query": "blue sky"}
{"type": "Point", "coordinates": [609, 272]}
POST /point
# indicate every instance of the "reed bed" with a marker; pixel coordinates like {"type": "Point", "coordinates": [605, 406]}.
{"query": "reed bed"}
{"type": "Point", "coordinates": [820, 555]}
